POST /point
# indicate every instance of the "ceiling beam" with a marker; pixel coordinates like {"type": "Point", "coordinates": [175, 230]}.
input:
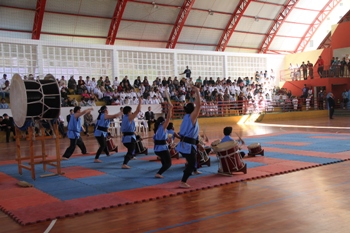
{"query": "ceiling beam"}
{"type": "Point", "coordinates": [115, 22]}
{"type": "Point", "coordinates": [278, 21]}
{"type": "Point", "coordinates": [38, 19]}
{"type": "Point", "coordinates": [232, 24]}
{"type": "Point", "coordinates": [322, 15]}
{"type": "Point", "coordinates": [179, 23]}
{"type": "Point", "coordinates": [326, 43]}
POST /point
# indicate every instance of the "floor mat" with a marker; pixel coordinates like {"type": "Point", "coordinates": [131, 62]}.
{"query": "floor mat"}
{"type": "Point", "coordinates": [86, 186]}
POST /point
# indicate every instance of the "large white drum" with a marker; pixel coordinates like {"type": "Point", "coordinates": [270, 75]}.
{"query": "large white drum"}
{"type": "Point", "coordinates": [31, 99]}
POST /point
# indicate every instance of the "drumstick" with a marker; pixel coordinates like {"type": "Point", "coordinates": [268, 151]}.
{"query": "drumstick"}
{"type": "Point", "coordinates": [240, 139]}
{"type": "Point", "coordinates": [205, 136]}
{"type": "Point", "coordinates": [167, 96]}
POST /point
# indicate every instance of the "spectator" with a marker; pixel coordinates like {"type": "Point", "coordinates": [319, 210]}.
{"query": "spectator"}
{"type": "Point", "coordinates": [72, 85]}
{"type": "Point", "coordinates": [3, 104]}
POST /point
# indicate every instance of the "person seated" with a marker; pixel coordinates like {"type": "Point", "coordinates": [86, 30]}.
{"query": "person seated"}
{"type": "Point", "coordinates": [227, 138]}
{"type": "Point", "coordinates": [141, 118]}
{"type": "Point", "coordinates": [3, 104]}
{"type": "Point", "coordinates": [88, 121]}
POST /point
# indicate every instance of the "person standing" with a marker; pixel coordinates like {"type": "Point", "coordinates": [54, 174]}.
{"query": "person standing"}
{"type": "Point", "coordinates": [189, 137]}
{"type": "Point", "coordinates": [310, 67]}
{"type": "Point", "coordinates": [74, 129]}
{"type": "Point", "coordinates": [303, 67]}
{"type": "Point", "coordinates": [8, 126]}
{"type": "Point", "coordinates": [160, 142]}
{"type": "Point", "coordinates": [345, 96]}
{"type": "Point", "coordinates": [320, 66]}
{"type": "Point", "coordinates": [331, 105]}
{"type": "Point", "coordinates": [101, 131]}
{"type": "Point", "coordinates": [128, 129]}
{"type": "Point", "coordinates": [149, 115]}
{"type": "Point", "coordinates": [187, 73]}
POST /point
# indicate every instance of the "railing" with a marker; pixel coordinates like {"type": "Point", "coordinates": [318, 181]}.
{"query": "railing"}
{"type": "Point", "coordinates": [244, 107]}
{"type": "Point", "coordinates": [327, 72]}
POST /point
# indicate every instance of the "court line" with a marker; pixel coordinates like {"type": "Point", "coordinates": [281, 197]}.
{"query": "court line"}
{"type": "Point", "coordinates": [50, 226]}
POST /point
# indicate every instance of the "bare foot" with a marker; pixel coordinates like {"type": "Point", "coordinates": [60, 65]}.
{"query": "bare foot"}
{"type": "Point", "coordinates": [64, 158]}
{"type": "Point", "coordinates": [184, 185]}
{"type": "Point", "coordinates": [97, 161]}
{"type": "Point", "coordinates": [159, 176]}
{"type": "Point", "coordinates": [125, 166]}
{"type": "Point", "coordinates": [197, 172]}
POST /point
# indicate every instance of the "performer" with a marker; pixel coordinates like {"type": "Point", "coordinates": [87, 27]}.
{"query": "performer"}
{"type": "Point", "coordinates": [74, 129]}
{"type": "Point", "coordinates": [160, 142]}
{"type": "Point", "coordinates": [189, 137]}
{"type": "Point", "coordinates": [128, 129]}
{"type": "Point", "coordinates": [227, 133]}
{"type": "Point", "coordinates": [102, 124]}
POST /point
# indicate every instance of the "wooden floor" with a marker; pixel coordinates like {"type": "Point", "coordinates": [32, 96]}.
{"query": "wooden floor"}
{"type": "Point", "coordinates": [312, 200]}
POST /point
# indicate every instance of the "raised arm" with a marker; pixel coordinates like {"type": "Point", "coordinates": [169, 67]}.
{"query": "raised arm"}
{"type": "Point", "coordinates": [113, 115]}
{"type": "Point", "coordinates": [196, 111]}
{"type": "Point", "coordinates": [167, 120]}
{"type": "Point", "coordinates": [138, 109]}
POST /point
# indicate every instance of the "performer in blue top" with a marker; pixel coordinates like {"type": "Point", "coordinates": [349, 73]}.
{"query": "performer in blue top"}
{"type": "Point", "coordinates": [102, 125]}
{"type": "Point", "coordinates": [128, 129]}
{"type": "Point", "coordinates": [227, 138]}
{"type": "Point", "coordinates": [160, 142]}
{"type": "Point", "coordinates": [74, 129]}
{"type": "Point", "coordinates": [189, 137]}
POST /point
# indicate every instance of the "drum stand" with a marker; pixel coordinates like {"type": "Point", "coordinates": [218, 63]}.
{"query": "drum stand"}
{"type": "Point", "coordinates": [37, 159]}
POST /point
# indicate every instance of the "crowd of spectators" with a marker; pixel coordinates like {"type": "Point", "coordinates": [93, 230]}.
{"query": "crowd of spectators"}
{"type": "Point", "coordinates": [122, 92]}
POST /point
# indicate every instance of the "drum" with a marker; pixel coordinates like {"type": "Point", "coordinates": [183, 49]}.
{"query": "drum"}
{"type": "Point", "coordinates": [140, 149]}
{"type": "Point", "coordinates": [110, 144]}
{"type": "Point", "coordinates": [34, 99]}
{"type": "Point", "coordinates": [214, 144]}
{"type": "Point", "coordinates": [173, 153]}
{"type": "Point", "coordinates": [202, 157]}
{"type": "Point", "coordinates": [255, 149]}
{"type": "Point", "coordinates": [230, 159]}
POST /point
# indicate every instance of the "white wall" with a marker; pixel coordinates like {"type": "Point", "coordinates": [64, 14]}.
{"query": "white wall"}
{"type": "Point", "coordinates": [112, 109]}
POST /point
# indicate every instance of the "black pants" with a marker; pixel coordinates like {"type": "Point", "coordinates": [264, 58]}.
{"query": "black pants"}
{"type": "Point", "coordinates": [320, 71]}
{"type": "Point", "coordinates": [73, 143]}
{"type": "Point", "coordinates": [165, 158]}
{"type": "Point", "coordinates": [331, 112]}
{"type": "Point", "coordinates": [103, 147]}
{"type": "Point", "coordinates": [131, 148]}
{"type": "Point", "coordinates": [191, 164]}
{"type": "Point", "coordinates": [9, 129]}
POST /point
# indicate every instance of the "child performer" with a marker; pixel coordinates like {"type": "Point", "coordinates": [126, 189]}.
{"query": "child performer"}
{"type": "Point", "coordinates": [160, 142]}
{"type": "Point", "coordinates": [102, 125]}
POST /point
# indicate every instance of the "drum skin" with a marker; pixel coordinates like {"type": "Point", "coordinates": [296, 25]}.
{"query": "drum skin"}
{"type": "Point", "coordinates": [254, 148]}
{"type": "Point", "coordinates": [30, 99]}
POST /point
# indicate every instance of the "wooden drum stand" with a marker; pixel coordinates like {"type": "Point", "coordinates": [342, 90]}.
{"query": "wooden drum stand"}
{"type": "Point", "coordinates": [42, 158]}
{"type": "Point", "coordinates": [36, 101]}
